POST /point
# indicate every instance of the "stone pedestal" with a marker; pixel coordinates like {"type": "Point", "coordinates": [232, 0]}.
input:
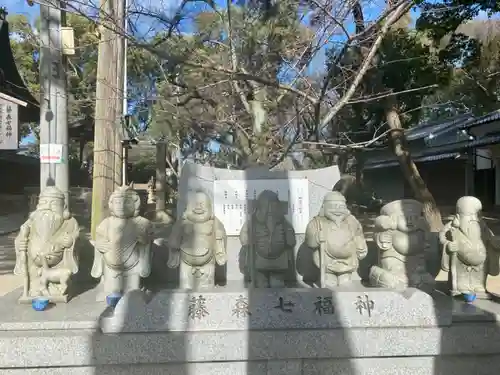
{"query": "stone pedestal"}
{"type": "Point", "coordinates": [240, 332]}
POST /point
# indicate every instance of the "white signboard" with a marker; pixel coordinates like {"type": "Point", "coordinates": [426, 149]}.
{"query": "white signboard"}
{"type": "Point", "coordinates": [9, 126]}
{"type": "Point", "coordinates": [51, 153]}
{"type": "Point", "coordinates": [234, 199]}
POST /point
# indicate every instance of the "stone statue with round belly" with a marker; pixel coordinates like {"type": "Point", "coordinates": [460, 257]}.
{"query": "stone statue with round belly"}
{"type": "Point", "coordinates": [337, 240]}
{"type": "Point", "coordinates": [401, 235]}
{"type": "Point", "coordinates": [45, 248]}
{"type": "Point", "coordinates": [470, 250]}
{"type": "Point", "coordinates": [197, 243]}
{"type": "Point", "coordinates": [122, 245]}
{"type": "Point", "coordinates": [269, 240]}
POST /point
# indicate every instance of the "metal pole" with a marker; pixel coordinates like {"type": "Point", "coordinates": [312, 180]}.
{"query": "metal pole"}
{"type": "Point", "coordinates": [54, 170]}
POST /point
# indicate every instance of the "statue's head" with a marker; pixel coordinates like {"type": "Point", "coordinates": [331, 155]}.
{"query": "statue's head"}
{"type": "Point", "coordinates": [268, 205]}
{"type": "Point", "coordinates": [468, 215]}
{"type": "Point", "coordinates": [406, 214]}
{"type": "Point", "coordinates": [199, 208]}
{"type": "Point", "coordinates": [124, 202]}
{"type": "Point", "coordinates": [334, 206]}
{"type": "Point", "coordinates": [52, 200]}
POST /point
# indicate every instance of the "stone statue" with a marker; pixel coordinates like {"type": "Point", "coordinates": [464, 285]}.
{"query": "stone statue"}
{"type": "Point", "coordinates": [269, 241]}
{"type": "Point", "coordinates": [45, 248]}
{"type": "Point", "coordinates": [467, 249]}
{"type": "Point", "coordinates": [401, 235]}
{"type": "Point", "coordinates": [122, 247]}
{"type": "Point", "coordinates": [197, 243]}
{"type": "Point", "coordinates": [337, 240]}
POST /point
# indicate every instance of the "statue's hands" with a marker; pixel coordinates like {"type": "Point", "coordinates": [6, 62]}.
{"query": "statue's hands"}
{"type": "Point", "coordinates": [174, 258]}
{"type": "Point", "coordinates": [23, 244]}
{"type": "Point", "coordinates": [452, 247]}
{"type": "Point", "coordinates": [65, 240]}
{"type": "Point", "coordinates": [385, 237]}
{"type": "Point", "coordinates": [220, 258]}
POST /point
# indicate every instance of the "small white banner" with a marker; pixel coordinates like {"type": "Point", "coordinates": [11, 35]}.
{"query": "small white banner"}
{"type": "Point", "coordinates": [51, 153]}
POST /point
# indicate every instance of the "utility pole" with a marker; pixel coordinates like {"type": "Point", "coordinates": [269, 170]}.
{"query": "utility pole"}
{"type": "Point", "coordinates": [54, 169]}
{"type": "Point", "coordinates": [108, 134]}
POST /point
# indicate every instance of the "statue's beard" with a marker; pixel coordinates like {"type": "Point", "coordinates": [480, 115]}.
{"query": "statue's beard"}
{"type": "Point", "coordinates": [47, 223]}
{"type": "Point", "coordinates": [336, 217]}
{"type": "Point", "coordinates": [198, 217]}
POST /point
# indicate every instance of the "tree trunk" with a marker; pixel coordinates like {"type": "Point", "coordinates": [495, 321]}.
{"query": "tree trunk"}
{"type": "Point", "coordinates": [108, 111]}
{"type": "Point", "coordinates": [410, 170]}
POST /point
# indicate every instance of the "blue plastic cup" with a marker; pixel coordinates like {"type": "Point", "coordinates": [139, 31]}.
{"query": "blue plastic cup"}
{"type": "Point", "coordinates": [40, 303]}
{"type": "Point", "coordinates": [469, 297]}
{"type": "Point", "coordinates": [113, 298]}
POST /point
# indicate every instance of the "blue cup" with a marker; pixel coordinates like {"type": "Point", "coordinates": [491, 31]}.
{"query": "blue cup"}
{"type": "Point", "coordinates": [40, 303]}
{"type": "Point", "coordinates": [469, 297]}
{"type": "Point", "coordinates": [113, 299]}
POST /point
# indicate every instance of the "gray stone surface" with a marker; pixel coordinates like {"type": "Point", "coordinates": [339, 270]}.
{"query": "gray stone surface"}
{"type": "Point", "coordinates": [64, 339]}
{"type": "Point", "coordinates": [450, 365]}
{"type": "Point", "coordinates": [260, 309]}
{"type": "Point", "coordinates": [321, 181]}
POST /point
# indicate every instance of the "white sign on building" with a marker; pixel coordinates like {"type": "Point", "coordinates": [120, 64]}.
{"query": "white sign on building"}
{"type": "Point", "coordinates": [234, 200]}
{"type": "Point", "coordinates": [9, 125]}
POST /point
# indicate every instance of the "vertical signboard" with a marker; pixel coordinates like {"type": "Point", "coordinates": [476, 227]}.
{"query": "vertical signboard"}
{"type": "Point", "coordinates": [9, 125]}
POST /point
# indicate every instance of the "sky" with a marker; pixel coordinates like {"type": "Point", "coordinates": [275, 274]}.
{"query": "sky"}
{"type": "Point", "coordinates": [169, 6]}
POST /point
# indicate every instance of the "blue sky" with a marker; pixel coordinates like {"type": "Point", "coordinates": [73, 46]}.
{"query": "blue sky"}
{"type": "Point", "coordinates": [169, 6]}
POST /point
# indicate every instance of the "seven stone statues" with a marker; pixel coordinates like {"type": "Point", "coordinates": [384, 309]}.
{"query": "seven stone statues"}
{"type": "Point", "coordinates": [401, 236]}
{"type": "Point", "coordinates": [45, 248]}
{"type": "Point", "coordinates": [122, 245]}
{"type": "Point", "coordinates": [337, 239]}
{"type": "Point", "coordinates": [268, 240]}
{"type": "Point", "coordinates": [197, 243]}
{"type": "Point", "coordinates": [468, 245]}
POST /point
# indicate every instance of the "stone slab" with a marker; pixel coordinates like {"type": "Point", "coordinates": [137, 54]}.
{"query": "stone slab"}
{"type": "Point", "coordinates": [49, 348]}
{"type": "Point", "coordinates": [448, 365]}
{"type": "Point", "coordinates": [267, 309]}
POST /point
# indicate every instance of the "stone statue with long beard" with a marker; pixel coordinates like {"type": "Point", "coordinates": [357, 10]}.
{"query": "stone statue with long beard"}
{"type": "Point", "coordinates": [45, 249]}
{"type": "Point", "coordinates": [337, 241]}
{"type": "Point", "coordinates": [197, 243]}
{"type": "Point", "coordinates": [470, 250]}
{"type": "Point", "coordinates": [122, 247]}
{"type": "Point", "coordinates": [269, 242]}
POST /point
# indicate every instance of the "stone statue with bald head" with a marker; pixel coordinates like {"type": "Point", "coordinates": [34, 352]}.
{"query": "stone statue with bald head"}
{"type": "Point", "coordinates": [45, 248]}
{"type": "Point", "coordinates": [122, 247]}
{"type": "Point", "coordinates": [470, 250]}
{"type": "Point", "coordinates": [197, 244]}
{"type": "Point", "coordinates": [337, 240]}
{"type": "Point", "coordinates": [402, 238]}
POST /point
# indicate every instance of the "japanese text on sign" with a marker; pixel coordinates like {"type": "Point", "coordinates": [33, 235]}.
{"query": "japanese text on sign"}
{"type": "Point", "coordinates": [8, 125]}
{"type": "Point", "coordinates": [241, 308]}
{"type": "Point", "coordinates": [197, 308]}
{"type": "Point", "coordinates": [364, 305]}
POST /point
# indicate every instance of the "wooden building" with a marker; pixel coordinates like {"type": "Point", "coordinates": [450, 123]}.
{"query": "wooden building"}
{"type": "Point", "coordinates": [457, 157]}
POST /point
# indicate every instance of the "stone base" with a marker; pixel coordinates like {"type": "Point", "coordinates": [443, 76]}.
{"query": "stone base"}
{"type": "Point", "coordinates": [52, 299]}
{"type": "Point", "coordinates": [410, 333]}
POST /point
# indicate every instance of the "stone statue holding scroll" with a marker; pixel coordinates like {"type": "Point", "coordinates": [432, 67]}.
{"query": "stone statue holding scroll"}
{"type": "Point", "coordinates": [269, 241]}
{"type": "Point", "coordinates": [197, 243]}
{"type": "Point", "coordinates": [470, 250]}
{"type": "Point", "coordinates": [401, 235]}
{"type": "Point", "coordinates": [337, 240]}
{"type": "Point", "coordinates": [45, 248]}
{"type": "Point", "coordinates": [122, 247]}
